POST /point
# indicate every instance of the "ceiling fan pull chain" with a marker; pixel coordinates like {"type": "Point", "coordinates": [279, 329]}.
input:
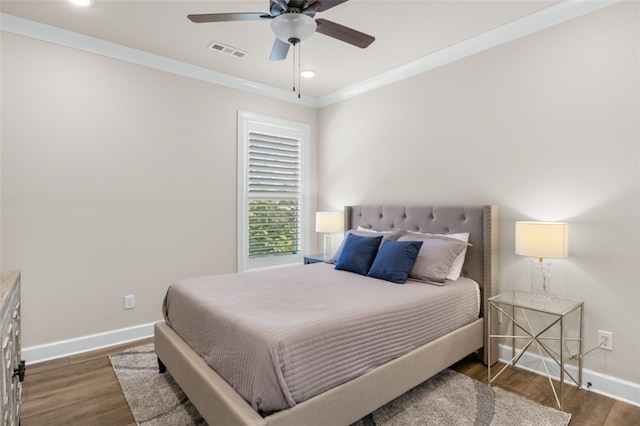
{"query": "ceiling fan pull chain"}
{"type": "Point", "coordinates": [294, 67]}
{"type": "Point", "coordinates": [299, 73]}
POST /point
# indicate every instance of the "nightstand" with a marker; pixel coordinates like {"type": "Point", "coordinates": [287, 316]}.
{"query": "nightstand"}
{"type": "Point", "coordinates": [514, 307]}
{"type": "Point", "coordinates": [313, 258]}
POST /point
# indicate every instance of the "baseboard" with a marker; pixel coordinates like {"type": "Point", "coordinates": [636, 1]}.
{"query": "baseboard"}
{"type": "Point", "coordinates": [612, 387]}
{"type": "Point", "coordinates": [48, 351]}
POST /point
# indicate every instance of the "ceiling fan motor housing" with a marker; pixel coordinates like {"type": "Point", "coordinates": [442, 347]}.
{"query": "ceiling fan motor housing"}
{"type": "Point", "coordinates": [279, 7]}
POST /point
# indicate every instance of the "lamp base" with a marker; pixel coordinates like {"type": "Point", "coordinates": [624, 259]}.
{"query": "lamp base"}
{"type": "Point", "coordinates": [325, 253]}
{"type": "Point", "coordinates": [541, 278]}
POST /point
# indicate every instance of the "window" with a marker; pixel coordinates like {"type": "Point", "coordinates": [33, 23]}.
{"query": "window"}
{"type": "Point", "coordinates": [272, 191]}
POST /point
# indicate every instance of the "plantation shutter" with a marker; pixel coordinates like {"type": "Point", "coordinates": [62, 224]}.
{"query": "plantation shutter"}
{"type": "Point", "coordinates": [275, 194]}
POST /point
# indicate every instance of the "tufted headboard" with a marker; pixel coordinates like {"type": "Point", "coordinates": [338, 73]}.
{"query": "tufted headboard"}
{"type": "Point", "coordinates": [481, 222]}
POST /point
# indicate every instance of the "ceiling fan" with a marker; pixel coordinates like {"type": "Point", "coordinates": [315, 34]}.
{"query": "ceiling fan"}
{"type": "Point", "coordinates": [292, 21]}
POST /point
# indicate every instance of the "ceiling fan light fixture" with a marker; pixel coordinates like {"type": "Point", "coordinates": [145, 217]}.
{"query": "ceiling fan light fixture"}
{"type": "Point", "coordinates": [293, 28]}
{"type": "Point", "coordinates": [83, 3]}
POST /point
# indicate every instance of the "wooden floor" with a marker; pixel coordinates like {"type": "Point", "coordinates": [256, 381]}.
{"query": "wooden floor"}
{"type": "Point", "coordinates": [586, 408]}
{"type": "Point", "coordinates": [83, 390]}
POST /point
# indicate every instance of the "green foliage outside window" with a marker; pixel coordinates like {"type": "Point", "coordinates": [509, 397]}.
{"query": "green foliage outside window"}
{"type": "Point", "coordinates": [273, 227]}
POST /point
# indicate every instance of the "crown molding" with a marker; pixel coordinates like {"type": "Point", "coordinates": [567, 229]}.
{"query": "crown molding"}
{"type": "Point", "coordinates": [51, 34]}
{"type": "Point", "coordinates": [543, 19]}
{"type": "Point", "coordinates": [538, 21]}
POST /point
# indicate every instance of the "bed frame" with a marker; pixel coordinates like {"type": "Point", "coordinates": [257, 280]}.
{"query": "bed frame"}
{"type": "Point", "coordinates": [220, 404]}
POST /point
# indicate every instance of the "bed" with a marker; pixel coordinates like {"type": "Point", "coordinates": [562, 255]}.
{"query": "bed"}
{"type": "Point", "coordinates": [347, 402]}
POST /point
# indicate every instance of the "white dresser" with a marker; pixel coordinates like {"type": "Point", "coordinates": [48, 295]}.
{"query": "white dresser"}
{"type": "Point", "coordinates": [11, 367]}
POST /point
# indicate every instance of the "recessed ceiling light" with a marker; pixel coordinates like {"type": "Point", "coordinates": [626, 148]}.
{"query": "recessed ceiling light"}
{"type": "Point", "coordinates": [308, 73]}
{"type": "Point", "coordinates": [81, 2]}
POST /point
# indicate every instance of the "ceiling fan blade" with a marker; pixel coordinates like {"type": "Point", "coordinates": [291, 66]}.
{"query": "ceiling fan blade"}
{"type": "Point", "coordinates": [328, 4]}
{"type": "Point", "coordinates": [283, 4]}
{"type": "Point", "coordinates": [279, 51]}
{"type": "Point", "coordinates": [311, 9]}
{"type": "Point", "coordinates": [226, 17]}
{"type": "Point", "coordinates": [346, 34]}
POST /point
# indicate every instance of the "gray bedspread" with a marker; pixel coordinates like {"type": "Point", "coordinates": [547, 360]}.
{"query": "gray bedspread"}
{"type": "Point", "coordinates": [281, 336]}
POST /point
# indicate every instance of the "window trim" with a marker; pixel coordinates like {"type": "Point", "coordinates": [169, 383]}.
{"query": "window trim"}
{"type": "Point", "coordinates": [248, 122]}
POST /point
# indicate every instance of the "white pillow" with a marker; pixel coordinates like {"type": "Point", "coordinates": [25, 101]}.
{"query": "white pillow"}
{"type": "Point", "coordinates": [363, 229]}
{"type": "Point", "coordinates": [456, 267]}
{"type": "Point", "coordinates": [436, 255]}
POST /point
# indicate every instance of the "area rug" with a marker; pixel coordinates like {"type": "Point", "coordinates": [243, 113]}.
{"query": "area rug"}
{"type": "Point", "coordinates": [448, 398]}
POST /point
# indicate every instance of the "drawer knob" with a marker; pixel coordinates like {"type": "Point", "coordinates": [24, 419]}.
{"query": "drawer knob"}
{"type": "Point", "coordinates": [19, 371]}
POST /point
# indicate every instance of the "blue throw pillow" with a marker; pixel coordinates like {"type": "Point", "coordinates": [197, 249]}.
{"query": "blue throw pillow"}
{"type": "Point", "coordinates": [358, 253]}
{"type": "Point", "coordinates": [395, 260]}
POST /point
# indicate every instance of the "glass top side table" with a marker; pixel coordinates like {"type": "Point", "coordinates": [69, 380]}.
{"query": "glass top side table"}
{"type": "Point", "coordinates": [556, 310]}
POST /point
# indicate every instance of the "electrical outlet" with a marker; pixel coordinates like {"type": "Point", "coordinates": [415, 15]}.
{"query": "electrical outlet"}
{"type": "Point", "coordinates": [129, 302]}
{"type": "Point", "coordinates": [605, 339]}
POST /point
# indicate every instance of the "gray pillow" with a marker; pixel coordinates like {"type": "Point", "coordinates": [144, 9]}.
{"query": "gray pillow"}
{"type": "Point", "coordinates": [435, 258]}
{"type": "Point", "coordinates": [386, 235]}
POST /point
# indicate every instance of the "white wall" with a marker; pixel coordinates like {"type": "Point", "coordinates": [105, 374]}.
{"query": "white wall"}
{"type": "Point", "coordinates": [546, 128]}
{"type": "Point", "coordinates": [116, 179]}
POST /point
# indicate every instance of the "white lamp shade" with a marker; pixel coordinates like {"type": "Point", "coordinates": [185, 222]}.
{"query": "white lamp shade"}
{"type": "Point", "coordinates": [293, 26]}
{"type": "Point", "coordinates": [544, 240]}
{"type": "Point", "coordinates": [329, 222]}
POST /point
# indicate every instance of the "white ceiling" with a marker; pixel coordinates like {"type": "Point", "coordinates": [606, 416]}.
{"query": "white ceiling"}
{"type": "Point", "coordinates": [404, 31]}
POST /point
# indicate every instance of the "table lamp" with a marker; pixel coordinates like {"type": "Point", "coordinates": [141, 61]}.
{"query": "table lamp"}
{"type": "Point", "coordinates": [542, 240]}
{"type": "Point", "coordinates": [329, 222]}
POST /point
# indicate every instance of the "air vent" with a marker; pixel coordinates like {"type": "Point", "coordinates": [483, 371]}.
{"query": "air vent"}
{"type": "Point", "coordinates": [223, 48]}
